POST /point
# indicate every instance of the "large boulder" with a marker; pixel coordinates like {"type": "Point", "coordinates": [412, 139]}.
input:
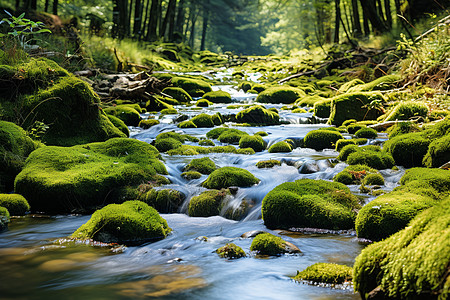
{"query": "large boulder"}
{"type": "Point", "coordinates": [280, 95]}
{"type": "Point", "coordinates": [321, 139]}
{"type": "Point", "coordinates": [16, 204]}
{"type": "Point", "coordinates": [258, 115]}
{"type": "Point", "coordinates": [208, 203]}
{"type": "Point", "coordinates": [230, 176]}
{"type": "Point", "coordinates": [194, 87]}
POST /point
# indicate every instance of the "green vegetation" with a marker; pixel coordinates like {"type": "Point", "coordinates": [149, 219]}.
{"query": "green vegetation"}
{"type": "Point", "coordinates": [178, 94]}
{"type": "Point", "coordinates": [164, 145]}
{"type": "Point", "coordinates": [280, 147]}
{"type": "Point", "coordinates": [203, 103]}
{"type": "Point", "coordinates": [354, 174]}
{"type": "Point", "coordinates": [121, 124]}
{"type": "Point", "coordinates": [373, 179]}
{"type": "Point", "coordinates": [252, 141]}
{"type": "Point", "coordinates": [164, 201]}
{"type": "Point", "coordinates": [258, 115]}
{"type": "Point", "coordinates": [367, 133]}
{"type": "Point", "coordinates": [321, 139]}
{"type": "Point", "coordinates": [207, 203]}
{"type": "Point", "coordinates": [230, 135]}
{"type": "Point", "coordinates": [285, 95]}
{"type": "Point", "coordinates": [194, 87]}
{"type": "Point", "coordinates": [203, 165]}
{"type": "Point", "coordinates": [438, 153]}
{"type": "Point", "coordinates": [4, 218]}
{"type": "Point", "coordinates": [326, 273]}
{"type": "Point", "coordinates": [189, 175]}
{"type": "Point", "coordinates": [146, 124]}
{"type": "Point", "coordinates": [408, 150]}
{"type": "Point", "coordinates": [128, 115]}
{"type": "Point", "coordinates": [406, 110]}
{"type": "Point", "coordinates": [132, 222]}
{"type": "Point", "coordinates": [230, 176]}
{"type": "Point", "coordinates": [203, 120]}
{"type": "Point", "coordinates": [268, 244]}
{"type": "Point", "coordinates": [16, 204]}
{"type": "Point", "coordinates": [218, 97]}
{"type": "Point", "coordinates": [268, 163]}
{"type": "Point", "coordinates": [374, 159]}
{"type": "Point", "coordinates": [230, 251]}
{"type": "Point", "coordinates": [322, 109]}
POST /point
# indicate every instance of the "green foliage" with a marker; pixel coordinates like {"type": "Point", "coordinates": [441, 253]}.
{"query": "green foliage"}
{"type": "Point", "coordinates": [207, 203]}
{"type": "Point", "coordinates": [268, 244]}
{"type": "Point", "coordinates": [203, 165]}
{"type": "Point", "coordinates": [280, 147]}
{"type": "Point", "coordinates": [132, 222]}
{"type": "Point", "coordinates": [257, 114]}
{"type": "Point", "coordinates": [346, 151]}
{"type": "Point", "coordinates": [268, 163]}
{"type": "Point", "coordinates": [326, 273]}
{"type": "Point", "coordinates": [309, 203]}
{"type": "Point", "coordinates": [406, 110]}
{"type": "Point", "coordinates": [230, 176]}
{"type": "Point", "coordinates": [164, 201]}
{"type": "Point", "coordinates": [285, 95]}
{"type": "Point", "coordinates": [218, 97]}
{"type": "Point", "coordinates": [355, 174]}
{"type": "Point", "coordinates": [252, 141]}
{"type": "Point", "coordinates": [230, 251]}
{"type": "Point", "coordinates": [368, 133]}
{"type": "Point", "coordinates": [16, 204]}
{"type": "Point", "coordinates": [321, 139]}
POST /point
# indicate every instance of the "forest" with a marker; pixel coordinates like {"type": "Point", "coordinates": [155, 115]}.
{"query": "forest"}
{"type": "Point", "coordinates": [216, 149]}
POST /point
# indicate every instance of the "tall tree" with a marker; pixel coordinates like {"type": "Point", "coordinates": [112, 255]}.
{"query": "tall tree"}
{"type": "Point", "coordinates": [138, 8]}
{"type": "Point", "coordinates": [357, 31]}
{"type": "Point", "coordinates": [206, 9]}
{"type": "Point", "coordinates": [55, 7]}
{"type": "Point", "coordinates": [181, 17]}
{"type": "Point", "coordinates": [337, 22]}
{"type": "Point", "coordinates": [371, 12]}
{"type": "Point", "coordinates": [153, 21]}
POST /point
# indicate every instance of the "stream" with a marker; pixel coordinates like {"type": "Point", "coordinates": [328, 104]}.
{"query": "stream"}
{"type": "Point", "coordinates": [35, 264]}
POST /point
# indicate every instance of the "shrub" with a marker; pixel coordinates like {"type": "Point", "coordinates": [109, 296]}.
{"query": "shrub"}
{"type": "Point", "coordinates": [218, 97]}
{"type": "Point", "coordinates": [252, 141]}
{"type": "Point", "coordinates": [230, 251]}
{"type": "Point", "coordinates": [203, 165]}
{"type": "Point", "coordinates": [258, 115]}
{"type": "Point", "coordinates": [326, 273]}
{"type": "Point", "coordinates": [132, 222]}
{"type": "Point", "coordinates": [280, 147]}
{"type": "Point", "coordinates": [321, 139]}
{"type": "Point", "coordinates": [367, 133]}
{"type": "Point", "coordinates": [230, 176]}
{"type": "Point", "coordinates": [207, 203]}
{"type": "Point", "coordinates": [285, 95]}
{"type": "Point", "coordinates": [16, 204]}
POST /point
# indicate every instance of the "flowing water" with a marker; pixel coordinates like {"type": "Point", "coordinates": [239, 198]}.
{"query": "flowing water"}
{"type": "Point", "coordinates": [36, 264]}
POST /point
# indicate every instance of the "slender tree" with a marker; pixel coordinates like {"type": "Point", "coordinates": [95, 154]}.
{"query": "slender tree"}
{"type": "Point", "coordinates": [138, 7]}
{"type": "Point", "coordinates": [153, 21]}
{"type": "Point", "coordinates": [337, 21]}
{"type": "Point", "coordinates": [55, 7]}
{"type": "Point", "coordinates": [357, 31]}
{"type": "Point", "coordinates": [206, 9]}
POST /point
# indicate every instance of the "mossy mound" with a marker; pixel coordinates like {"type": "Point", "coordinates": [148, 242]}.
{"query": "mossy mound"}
{"type": "Point", "coordinates": [230, 251]}
{"type": "Point", "coordinates": [190, 175]}
{"type": "Point", "coordinates": [120, 124]}
{"type": "Point", "coordinates": [309, 100]}
{"type": "Point", "coordinates": [132, 222]}
{"type": "Point", "coordinates": [258, 115]}
{"type": "Point", "coordinates": [128, 115]}
{"type": "Point", "coordinates": [406, 110]}
{"type": "Point", "coordinates": [164, 145]}
{"type": "Point", "coordinates": [322, 109]}
{"type": "Point", "coordinates": [373, 179]}
{"type": "Point", "coordinates": [374, 159]}
{"type": "Point", "coordinates": [402, 128]}
{"type": "Point", "coordinates": [349, 84]}
{"type": "Point", "coordinates": [4, 218]}
{"type": "Point", "coordinates": [146, 124]}
{"type": "Point", "coordinates": [411, 264]}
{"type": "Point", "coordinates": [438, 179]}
{"type": "Point", "coordinates": [203, 165]}
{"type": "Point", "coordinates": [216, 132]}
{"type": "Point", "coordinates": [382, 83]}
{"type": "Point", "coordinates": [252, 141]}
{"type": "Point", "coordinates": [15, 146]}
{"type": "Point", "coordinates": [280, 95]}
{"type": "Point", "coordinates": [206, 142]}
{"type": "Point", "coordinates": [59, 180]}
{"type": "Point", "coordinates": [409, 149]}
{"type": "Point", "coordinates": [178, 94]}
{"type": "Point", "coordinates": [353, 128]}
{"type": "Point", "coordinates": [310, 203]}
{"type": "Point", "coordinates": [268, 163]}
{"type": "Point", "coordinates": [169, 111]}
{"type": "Point", "coordinates": [164, 201]}
{"type": "Point", "coordinates": [218, 97]}
{"type": "Point", "coordinates": [230, 176]}
{"type": "Point", "coordinates": [280, 147]}
{"type": "Point", "coordinates": [321, 139]}
{"type": "Point", "coordinates": [438, 153]}
{"type": "Point", "coordinates": [355, 106]}
{"type": "Point", "coordinates": [325, 273]}
{"type": "Point", "coordinates": [203, 120]}
{"type": "Point", "coordinates": [194, 87]}
{"type": "Point", "coordinates": [367, 133]}
{"type": "Point", "coordinates": [187, 124]}
{"type": "Point", "coordinates": [203, 103]}
{"type": "Point", "coordinates": [231, 136]}
{"type": "Point", "coordinates": [207, 204]}
{"type": "Point", "coordinates": [16, 204]}
{"type": "Point", "coordinates": [269, 244]}
{"type": "Point", "coordinates": [341, 143]}
{"type": "Point", "coordinates": [354, 174]}
{"type": "Point", "coordinates": [171, 134]}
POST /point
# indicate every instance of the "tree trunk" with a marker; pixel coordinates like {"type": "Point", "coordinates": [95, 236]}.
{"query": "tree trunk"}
{"type": "Point", "coordinates": [366, 24]}
{"type": "Point", "coordinates": [17, 5]}
{"type": "Point", "coordinates": [34, 4]}
{"type": "Point", "coordinates": [137, 18]}
{"type": "Point", "coordinates": [55, 7]}
{"type": "Point", "coordinates": [46, 5]}
{"type": "Point", "coordinates": [181, 15]}
{"type": "Point", "coordinates": [337, 22]}
{"type": "Point", "coordinates": [120, 19]}
{"type": "Point", "coordinates": [357, 31]}
{"type": "Point", "coordinates": [171, 11]}
{"type": "Point", "coordinates": [388, 12]}
{"type": "Point", "coordinates": [130, 11]}
{"type": "Point", "coordinates": [153, 21]}
{"type": "Point", "coordinates": [193, 19]}
{"type": "Point", "coordinates": [370, 11]}
{"type": "Point", "coordinates": [205, 25]}
{"type": "Point", "coordinates": [145, 18]}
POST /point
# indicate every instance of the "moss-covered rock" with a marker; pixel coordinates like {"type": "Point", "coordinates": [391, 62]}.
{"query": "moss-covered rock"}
{"type": "Point", "coordinates": [164, 201]}
{"type": "Point", "coordinates": [402, 128]}
{"type": "Point", "coordinates": [16, 204]}
{"type": "Point", "coordinates": [203, 120]}
{"type": "Point", "coordinates": [406, 110]}
{"type": "Point", "coordinates": [120, 124]}
{"type": "Point", "coordinates": [206, 142]}
{"type": "Point", "coordinates": [374, 159]}
{"type": "Point", "coordinates": [203, 103]}
{"type": "Point", "coordinates": [258, 115]}
{"type": "Point", "coordinates": [367, 133]}
{"type": "Point", "coordinates": [438, 179]}
{"type": "Point", "coordinates": [438, 153]}
{"type": "Point", "coordinates": [325, 273]}
{"type": "Point", "coordinates": [171, 134]}
{"type": "Point", "coordinates": [252, 141]}
{"type": "Point", "coordinates": [353, 128]}
{"type": "Point", "coordinates": [218, 97]}
{"type": "Point", "coordinates": [190, 175]}
{"type": "Point", "coordinates": [203, 165]}
{"type": "Point", "coordinates": [341, 143]}
{"type": "Point", "coordinates": [146, 124]}
{"type": "Point", "coordinates": [230, 251]}
{"type": "Point", "coordinates": [231, 136]}
{"type": "Point", "coordinates": [280, 147]}
{"type": "Point", "coordinates": [178, 94]}
{"type": "Point", "coordinates": [187, 124]}
{"type": "Point", "coordinates": [310, 203]}
{"type": "Point", "coordinates": [208, 203]}
{"type": "Point", "coordinates": [322, 109]}
{"type": "Point", "coordinates": [268, 163]}
{"type": "Point", "coordinates": [354, 174]}
{"type": "Point", "coordinates": [169, 111]}
{"type": "Point", "coordinates": [373, 179]}
{"type": "Point", "coordinates": [15, 146]}
{"type": "Point", "coordinates": [132, 222]}
{"type": "Point", "coordinates": [194, 87]}
{"type": "Point", "coordinates": [128, 115]}
{"type": "Point", "coordinates": [285, 95]}
{"type": "Point", "coordinates": [61, 179]}
{"type": "Point", "coordinates": [164, 145]}
{"type": "Point", "coordinates": [4, 218]}
{"type": "Point", "coordinates": [411, 264]}
{"type": "Point", "coordinates": [230, 176]}
{"type": "Point", "coordinates": [382, 83]}
{"type": "Point", "coordinates": [321, 139]}
{"type": "Point", "coordinates": [408, 150]}
{"type": "Point", "coordinates": [269, 244]}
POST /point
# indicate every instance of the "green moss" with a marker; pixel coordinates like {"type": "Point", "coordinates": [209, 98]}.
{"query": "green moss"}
{"type": "Point", "coordinates": [321, 139]}
{"type": "Point", "coordinates": [268, 244]}
{"type": "Point", "coordinates": [124, 103]}
{"type": "Point", "coordinates": [285, 95]}
{"type": "Point", "coordinates": [322, 109]}
{"type": "Point", "coordinates": [355, 106]}
{"type": "Point", "coordinates": [178, 94]}
{"type": "Point", "coordinates": [245, 151]}
{"type": "Point", "coordinates": [353, 128]}
{"type": "Point", "coordinates": [402, 128]}
{"type": "Point", "coordinates": [262, 133]}
{"type": "Point", "coordinates": [194, 87]}
{"type": "Point", "coordinates": [230, 176]}
{"type": "Point", "coordinates": [346, 151]}
{"type": "Point", "coordinates": [60, 179]}
{"type": "Point", "coordinates": [382, 83]}
{"type": "Point", "coordinates": [132, 222]}
{"type": "Point", "coordinates": [299, 111]}
{"type": "Point", "coordinates": [245, 86]}
{"type": "Point", "coordinates": [191, 175]}
{"type": "Point", "coordinates": [128, 115]}
{"type": "Point", "coordinates": [326, 273]}
{"type": "Point", "coordinates": [203, 120]}
{"type": "Point", "coordinates": [16, 204]}
{"type": "Point", "coordinates": [268, 163]}
{"type": "Point", "coordinates": [120, 124]}
{"type": "Point", "coordinates": [169, 111]}
{"type": "Point", "coordinates": [438, 179]}
{"type": "Point", "coordinates": [203, 165]}
{"type": "Point", "coordinates": [218, 97]}
{"type": "Point", "coordinates": [373, 159]}
{"type": "Point", "coordinates": [164, 201]}
{"type": "Point", "coordinates": [187, 124]}
{"type": "Point", "coordinates": [164, 145]}
{"type": "Point", "coordinates": [171, 134]}
{"type": "Point", "coordinates": [367, 133]}
{"type": "Point", "coordinates": [230, 251]}
{"type": "Point", "coordinates": [4, 218]}
{"type": "Point", "coordinates": [252, 141]}
{"type": "Point", "coordinates": [349, 122]}
{"type": "Point", "coordinates": [406, 110]}
{"type": "Point", "coordinates": [207, 203]}
{"type": "Point", "coordinates": [341, 143]}
{"type": "Point", "coordinates": [349, 84]}
{"type": "Point", "coordinates": [216, 132]}
{"type": "Point", "coordinates": [206, 142]}
{"type": "Point", "coordinates": [280, 147]}
{"type": "Point", "coordinates": [309, 203]}
{"type": "Point", "coordinates": [438, 153]}
{"type": "Point", "coordinates": [258, 115]}
{"type": "Point", "coordinates": [15, 146]}
{"type": "Point", "coordinates": [309, 100]}
{"type": "Point", "coordinates": [354, 174]}
{"type": "Point", "coordinates": [408, 150]}
{"type": "Point", "coordinates": [231, 136]}
{"type": "Point", "coordinates": [373, 179]}
{"type": "Point", "coordinates": [203, 103]}
{"type": "Point", "coordinates": [217, 119]}
{"type": "Point", "coordinates": [145, 124]}
{"type": "Point", "coordinates": [411, 264]}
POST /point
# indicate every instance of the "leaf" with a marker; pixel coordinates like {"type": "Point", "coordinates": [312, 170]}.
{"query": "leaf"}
{"type": "Point", "coordinates": [44, 30]}
{"type": "Point", "coordinates": [21, 16]}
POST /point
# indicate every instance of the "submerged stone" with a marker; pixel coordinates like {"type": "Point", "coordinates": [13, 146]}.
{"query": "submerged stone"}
{"type": "Point", "coordinates": [269, 244]}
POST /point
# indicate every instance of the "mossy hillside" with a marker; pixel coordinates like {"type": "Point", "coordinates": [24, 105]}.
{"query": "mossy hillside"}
{"type": "Point", "coordinates": [355, 106]}
{"type": "Point", "coordinates": [258, 115]}
{"type": "Point", "coordinates": [203, 120]}
{"type": "Point", "coordinates": [280, 95]}
{"type": "Point", "coordinates": [409, 149]}
{"type": "Point", "coordinates": [16, 204]}
{"type": "Point", "coordinates": [62, 179]}
{"type": "Point", "coordinates": [218, 97]}
{"type": "Point", "coordinates": [230, 251]}
{"type": "Point", "coordinates": [121, 124]}
{"type": "Point", "coordinates": [374, 159]}
{"type": "Point", "coordinates": [354, 174]}
{"type": "Point", "coordinates": [164, 201]}
{"type": "Point", "coordinates": [411, 264]}
{"type": "Point", "coordinates": [438, 153]}
{"type": "Point", "coordinates": [208, 203]}
{"type": "Point", "coordinates": [325, 273]}
{"type": "Point", "coordinates": [4, 218]}
{"type": "Point", "coordinates": [252, 141]}
{"type": "Point", "coordinates": [268, 244]}
{"type": "Point", "coordinates": [280, 147]}
{"type": "Point", "coordinates": [322, 109]}
{"type": "Point", "coordinates": [268, 163]}
{"type": "Point", "coordinates": [132, 222]}
{"type": "Point", "coordinates": [230, 176]}
{"type": "Point", "coordinates": [15, 146]}
{"type": "Point", "coordinates": [321, 139]}
{"type": "Point", "coordinates": [367, 133]}
{"type": "Point", "coordinates": [178, 94]}
{"type": "Point", "coordinates": [203, 165]}
{"type": "Point", "coordinates": [194, 87]}
{"type": "Point", "coordinates": [310, 203]}
{"type": "Point", "coordinates": [406, 110]}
